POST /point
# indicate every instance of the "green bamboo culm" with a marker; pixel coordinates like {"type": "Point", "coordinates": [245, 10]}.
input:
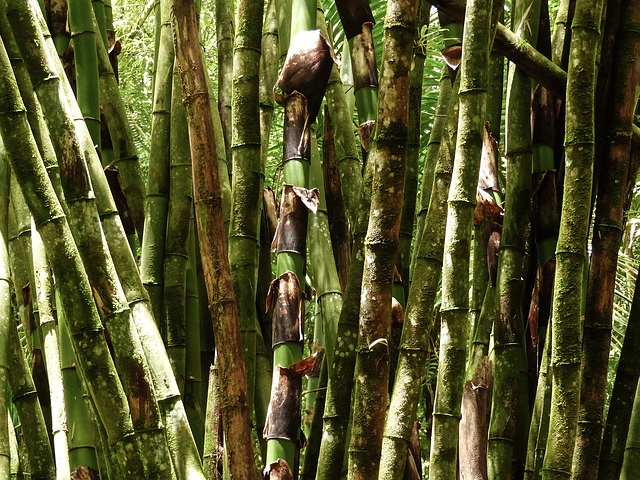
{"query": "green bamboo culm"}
{"type": "Point", "coordinates": [455, 276]}
{"type": "Point", "coordinates": [268, 74]}
{"type": "Point", "coordinates": [247, 177]}
{"type": "Point", "coordinates": [86, 63]}
{"type": "Point", "coordinates": [631, 461]}
{"type": "Point", "coordinates": [176, 249]}
{"type": "Point", "coordinates": [95, 254]}
{"type": "Point", "coordinates": [509, 407]}
{"type": "Point", "coordinates": [125, 151]}
{"type": "Point", "coordinates": [570, 251]}
{"type": "Point", "coordinates": [322, 265]}
{"type": "Point", "coordinates": [413, 153]}
{"type": "Point", "coordinates": [225, 35]}
{"type": "Point", "coordinates": [431, 158]}
{"type": "Point", "coordinates": [346, 149]}
{"type": "Point", "coordinates": [418, 323]}
{"type": "Point", "coordinates": [5, 317]}
{"type": "Point", "coordinates": [51, 347]}
{"type": "Point", "coordinates": [153, 242]}
{"type": "Point", "coordinates": [614, 183]}
{"type": "Point", "coordinates": [388, 154]}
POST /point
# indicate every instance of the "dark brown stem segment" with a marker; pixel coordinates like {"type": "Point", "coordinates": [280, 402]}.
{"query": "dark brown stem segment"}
{"type": "Point", "coordinates": [213, 242]}
{"type": "Point", "coordinates": [381, 243]}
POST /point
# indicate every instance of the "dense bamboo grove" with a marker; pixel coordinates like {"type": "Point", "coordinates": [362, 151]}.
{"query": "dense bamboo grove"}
{"type": "Point", "coordinates": [377, 239]}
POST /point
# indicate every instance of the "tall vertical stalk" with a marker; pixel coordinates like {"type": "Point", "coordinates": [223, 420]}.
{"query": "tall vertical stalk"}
{"type": "Point", "coordinates": [248, 175]}
{"type": "Point", "coordinates": [462, 202]}
{"type": "Point", "coordinates": [570, 252]}
{"type": "Point", "coordinates": [207, 200]}
{"type": "Point", "coordinates": [509, 406]}
{"type": "Point", "coordinates": [153, 242]}
{"type": "Point", "coordinates": [613, 184]}
{"type": "Point", "coordinates": [388, 155]}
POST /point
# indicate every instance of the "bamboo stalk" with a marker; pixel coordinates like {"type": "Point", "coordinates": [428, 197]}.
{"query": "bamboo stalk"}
{"type": "Point", "coordinates": [462, 202]}
{"type": "Point", "coordinates": [235, 412]}
{"type": "Point", "coordinates": [613, 184]}
{"type": "Point", "coordinates": [570, 252]}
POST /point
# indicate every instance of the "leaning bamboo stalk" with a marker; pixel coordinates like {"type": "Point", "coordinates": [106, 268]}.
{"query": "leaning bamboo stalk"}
{"type": "Point", "coordinates": [388, 154]}
{"type": "Point", "coordinates": [613, 185]}
{"type": "Point", "coordinates": [5, 317]}
{"type": "Point", "coordinates": [84, 323]}
{"type": "Point", "coordinates": [431, 157]}
{"type": "Point", "coordinates": [347, 158]}
{"type": "Point", "coordinates": [631, 461]}
{"type": "Point", "coordinates": [236, 416]}
{"type": "Point", "coordinates": [99, 267]}
{"type": "Point", "coordinates": [574, 225]}
{"type": "Point", "coordinates": [43, 289]}
{"type": "Point", "coordinates": [462, 202]}
{"type": "Point", "coordinates": [418, 323]}
{"type": "Point", "coordinates": [125, 152]}
{"type": "Point", "coordinates": [268, 75]}
{"type": "Point", "coordinates": [413, 146]}
{"type": "Point", "coordinates": [176, 249]}
{"type": "Point", "coordinates": [225, 34]}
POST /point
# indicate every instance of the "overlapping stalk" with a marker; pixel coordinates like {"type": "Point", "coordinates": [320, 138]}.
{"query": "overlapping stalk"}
{"type": "Point", "coordinates": [248, 175]}
{"type": "Point", "coordinates": [125, 152]}
{"type": "Point", "coordinates": [6, 318]}
{"type": "Point", "coordinates": [631, 461]}
{"type": "Point", "coordinates": [43, 288]}
{"type": "Point", "coordinates": [153, 242]}
{"type": "Point", "coordinates": [509, 407]}
{"type": "Point", "coordinates": [225, 36]}
{"type": "Point", "coordinates": [85, 327]}
{"type": "Point", "coordinates": [86, 63]}
{"type": "Point", "coordinates": [382, 241]}
{"type": "Point", "coordinates": [416, 332]}
{"type": "Point", "coordinates": [462, 202]}
{"type": "Point", "coordinates": [176, 247]}
{"type": "Point", "coordinates": [570, 252]}
{"type": "Point", "coordinates": [413, 146]}
{"type": "Point", "coordinates": [431, 158]}
{"type": "Point", "coordinates": [85, 225]}
{"type": "Point", "coordinates": [613, 185]}
{"type": "Point", "coordinates": [207, 199]}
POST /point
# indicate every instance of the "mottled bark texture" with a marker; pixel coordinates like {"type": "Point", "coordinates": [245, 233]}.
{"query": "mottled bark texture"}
{"type": "Point", "coordinates": [609, 226]}
{"type": "Point", "coordinates": [461, 205]}
{"type": "Point", "coordinates": [247, 177]}
{"type": "Point", "coordinates": [208, 202]}
{"type": "Point", "coordinates": [570, 252]}
{"type": "Point", "coordinates": [414, 348]}
{"type": "Point", "coordinates": [388, 156]}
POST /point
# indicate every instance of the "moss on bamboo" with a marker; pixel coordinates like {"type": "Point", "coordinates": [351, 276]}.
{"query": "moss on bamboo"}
{"type": "Point", "coordinates": [381, 242]}
{"type": "Point", "coordinates": [570, 252]}
{"type": "Point", "coordinates": [462, 201]}
{"type": "Point", "coordinates": [248, 177]}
